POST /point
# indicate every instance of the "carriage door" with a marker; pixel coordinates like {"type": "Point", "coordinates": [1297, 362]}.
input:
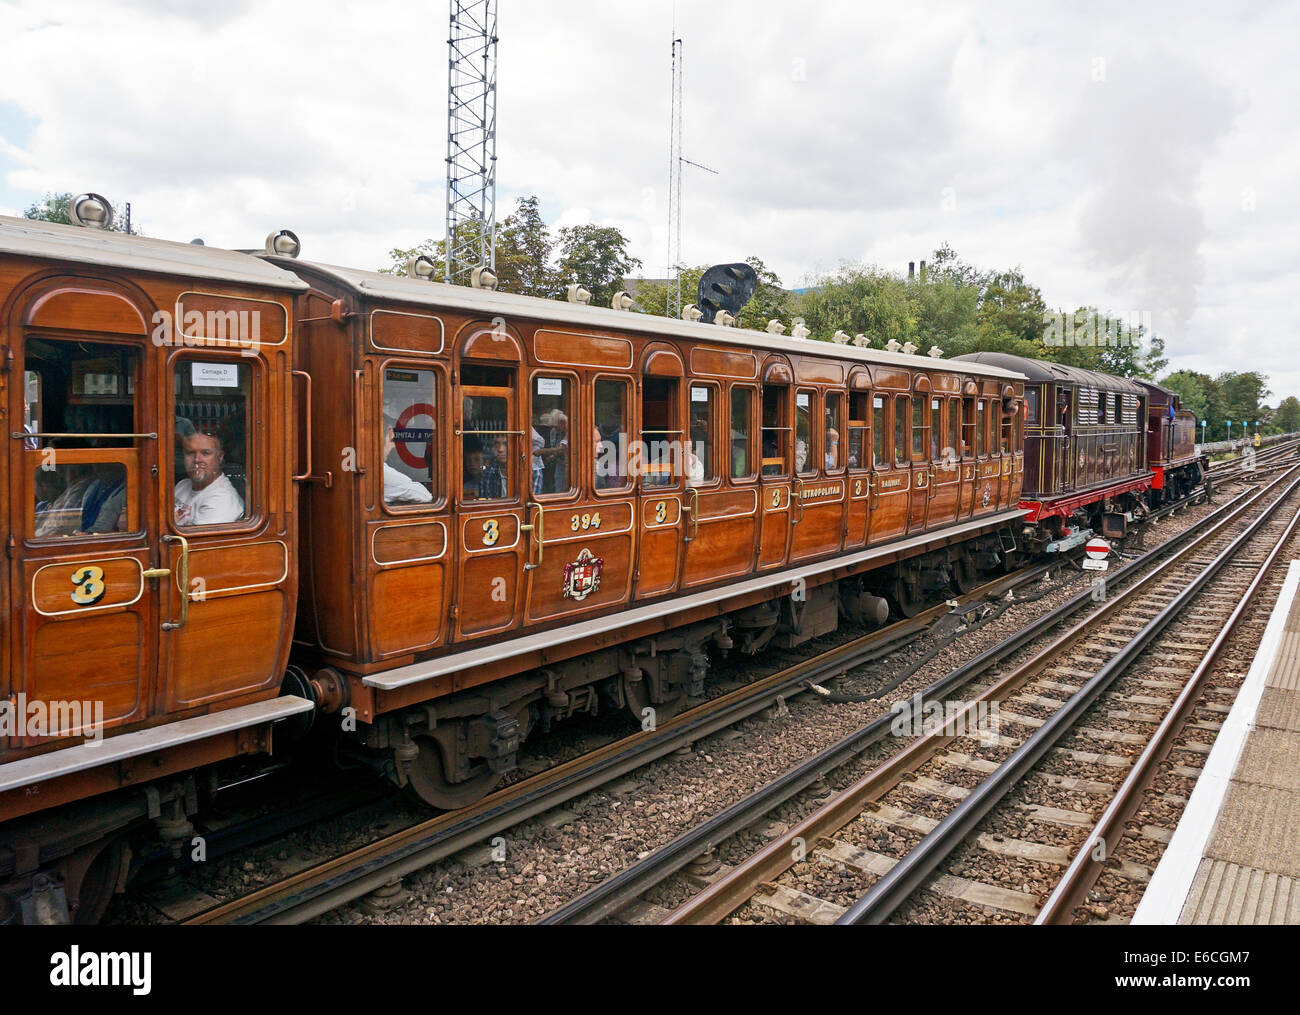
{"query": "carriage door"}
{"type": "Point", "coordinates": [720, 520]}
{"type": "Point", "coordinates": [662, 470]}
{"type": "Point", "coordinates": [223, 442]}
{"type": "Point", "coordinates": [890, 477]}
{"type": "Point", "coordinates": [922, 472]}
{"type": "Point", "coordinates": [496, 541]}
{"type": "Point", "coordinates": [818, 503]}
{"type": "Point", "coordinates": [945, 493]}
{"type": "Point", "coordinates": [85, 572]}
{"type": "Point", "coordinates": [775, 462]}
{"type": "Point", "coordinates": [584, 500]}
{"type": "Point", "coordinates": [858, 475]}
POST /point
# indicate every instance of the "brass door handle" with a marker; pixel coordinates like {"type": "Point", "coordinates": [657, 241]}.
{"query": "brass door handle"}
{"type": "Point", "coordinates": [156, 572]}
{"type": "Point", "coordinates": [184, 582]}
{"type": "Point", "coordinates": [693, 512]}
{"type": "Point", "coordinates": [538, 536]}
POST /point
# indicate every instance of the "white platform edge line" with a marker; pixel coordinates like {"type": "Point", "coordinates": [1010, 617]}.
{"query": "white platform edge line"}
{"type": "Point", "coordinates": [404, 676]}
{"type": "Point", "coordinates": [93, 754]}
{"type": "Point", "coordinates": [1166, 895]}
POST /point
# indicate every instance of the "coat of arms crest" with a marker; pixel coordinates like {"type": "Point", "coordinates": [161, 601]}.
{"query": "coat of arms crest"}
{"type": "Point", "coordinates": [582, 576]}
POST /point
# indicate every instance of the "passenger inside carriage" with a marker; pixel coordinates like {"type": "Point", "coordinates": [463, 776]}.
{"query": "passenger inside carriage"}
{"type": "Point", "coordinates": [206, 495]}
{"type": "Point", "coordinates": [399, 488]}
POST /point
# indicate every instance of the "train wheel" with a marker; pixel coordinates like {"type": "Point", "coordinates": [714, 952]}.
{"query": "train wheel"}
{"type": "Point", "coordinates": [908, 598]}
{"type": "Point", "coordinates": [637, 695]}
{"type": "Point", "coordinates": [96, 882]}
{"type": "Point", "coordinates": [965, 576]}
{"type": "Point", "coordinates": [428, 783]}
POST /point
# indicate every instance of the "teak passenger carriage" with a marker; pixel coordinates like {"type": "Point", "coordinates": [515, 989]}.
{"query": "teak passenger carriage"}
{"type": "Point", "coordinates": [441, 518]}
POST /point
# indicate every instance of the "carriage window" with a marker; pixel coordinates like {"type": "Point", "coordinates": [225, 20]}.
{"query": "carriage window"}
{"type": "Point", "coordinates": [80, 498]}
{"type": "Point", "coordinates": [954, 431]}
{"type": "Point", "coordinates": [968, 427]}
{"type": "Point", "coordinates": [980, 422]}
{"type": "Point", "coordinates": [699, 459]}
{"type": "Point", "coordinates": [610, 403]}
{"type": "Point", "coordinates": [660, 434]}
{"type": "Point", "coordinates": [1008, 420]}
{"type": "Point", "coordinates": [878, 432]}
{"type": "Point", "coordinates": [901, 421]}
{"type": "Point", "coordinates": [1032, 396]}
{"type": "Point", "coordinates": [551, 456]}
{"type": "Point", "coordinates": [858, 427]}
{"type": "Point", "coordinates": [920, 426]}
{"type": "Point", "coordinates": [834, 457]}
{"type": "Point", "coordinates": [1117, 418]}
{"type": "Point", "coordinates": [31, 408]}
{"type": "Point", "coordinates": [211, 441]}
{"type": "Point", "coordinates": [487, 445]}
{"type": "Point", "coordinates": [412, 462]}
{"type": "Point", "coordinates": [804, 462]}
{"type": "Point", "coordinates": [775, 431]}
{"type": "Point", "coordinates": [741, 444]}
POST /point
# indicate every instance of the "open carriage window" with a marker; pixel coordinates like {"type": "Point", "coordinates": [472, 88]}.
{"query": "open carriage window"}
{"type": "Point", "coordinates": [81, 437]}
{"type": "Point", "coordinates": [211, 465]}
{"type": "Point", "coordinates": [859, 429]}
{"type": "Point", "coordinates": [661, 436]}
{"type": "Point", "coordinates": [413, 466]}
{"type": "Point", "coordinates": [610, 412]}
{"type": "Point", "coordinates": [776, 430]}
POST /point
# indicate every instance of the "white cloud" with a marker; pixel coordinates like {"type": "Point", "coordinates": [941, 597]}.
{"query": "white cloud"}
{"type": "Point", "coordinates": [1110, 150]}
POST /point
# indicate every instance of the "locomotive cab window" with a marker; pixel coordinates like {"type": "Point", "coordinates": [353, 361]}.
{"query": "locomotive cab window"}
{"type": "Point", "coordinates": [212, 403]}
{"type": "Point", "coordinates": [412, 463]}
{"type": "Point", "coordinates": [83, 434]}
{"type": "Point", "coordinates": [552, 456]}
{"type": "Point", "coordinates": [699, 453]}
{"type": "Point", "coordinates": [610, 411]}
{"type": "Point", "coordinates": [490, 452]}
{"type": "Point", "coordinates": [661, 437]}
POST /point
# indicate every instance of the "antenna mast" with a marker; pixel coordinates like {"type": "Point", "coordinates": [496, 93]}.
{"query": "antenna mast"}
{"type": "Point", "coordinates": [471, 138]}
{"type": "Point", "coordinates": [674, 282]}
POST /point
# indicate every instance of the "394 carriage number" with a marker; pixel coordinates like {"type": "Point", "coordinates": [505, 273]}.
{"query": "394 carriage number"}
{"type": "Point", "coordinates": [580, 523]}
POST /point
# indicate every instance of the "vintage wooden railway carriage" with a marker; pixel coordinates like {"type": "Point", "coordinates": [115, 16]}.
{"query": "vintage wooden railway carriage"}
{"type": "Point", "coordinates": [1171, 446]}
{"type": "Point", "coordinates": [1085, 449]}
{"type": "Point", "coordinates": [142, 637]}
{"type": "Point", "coordinates": [520, 507]}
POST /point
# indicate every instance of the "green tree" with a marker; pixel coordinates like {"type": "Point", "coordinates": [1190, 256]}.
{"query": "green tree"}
{"type": "Point", "coordinates": [524, 247]}
{"type": "Point", "coordinates": [597, 258]}
{"type": "Point", "coordinates": [857, 299]}
{"type": "Point", "coordinates": [58, 208]}
{"type": "Point", "coordinates": [1287, 417]}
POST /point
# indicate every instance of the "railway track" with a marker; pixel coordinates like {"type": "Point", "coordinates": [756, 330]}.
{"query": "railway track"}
{"type": "Point", "coordinates": [350, 876]}
{"type": "Point", "coordinates": [980, 827]}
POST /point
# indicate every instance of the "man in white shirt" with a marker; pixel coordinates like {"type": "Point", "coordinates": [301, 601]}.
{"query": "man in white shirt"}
{"type": "Point", "coordinates": [206, 496]}
{"type": "Point", "coordinates": [400, 488]}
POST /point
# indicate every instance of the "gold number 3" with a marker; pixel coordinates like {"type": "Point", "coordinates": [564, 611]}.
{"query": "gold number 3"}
{"type": "Point", "coordinates": [491, 532]}
{"type": "Point", "coordinates": [776, 498]}
{"type": "Point", "coordinates": [661, 512]}
{"type": "Point", "coordinates": [90, 586]}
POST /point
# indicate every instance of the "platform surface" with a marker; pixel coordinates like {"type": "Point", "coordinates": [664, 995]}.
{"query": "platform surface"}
{"type": "Point", "coordinates": [1235, 856]}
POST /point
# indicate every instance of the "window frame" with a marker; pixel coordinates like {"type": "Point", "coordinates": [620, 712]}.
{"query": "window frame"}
{"type": "Point", "coordinates": [785, 432]}
{"type": "Point", "coordinates": [814, 403]}
{"type": "Point", "coordinates": [254, 487]}
{"type": "Point", "coordinates": [575, 385]}
{"type": "Point", "coordinates": [463, 391]}
{"type": "Point", "coordinates": [755, 402]}
{"type": "Point", "coordinates": [629, 484]}
{"type": "Point", "coordinates": [440, 498]}
{"type": "Point", "coordinates": [838, 422]}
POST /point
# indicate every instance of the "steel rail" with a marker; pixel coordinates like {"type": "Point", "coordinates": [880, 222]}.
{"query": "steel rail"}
{"type": "Point", "coordinates": [1082, 873]}
{"type": "Point", "coordinates": [730, 891]}
{"type": "Point", "coordinates": [341, 879]}
{"type": "Point", "coordinates": [910, 872]}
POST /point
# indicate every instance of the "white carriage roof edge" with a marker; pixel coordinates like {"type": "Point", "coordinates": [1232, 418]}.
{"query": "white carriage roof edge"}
{"type": "Point", "coordinates": [54, 241]}
{"type": "Point", "coordinates": [439, 294]}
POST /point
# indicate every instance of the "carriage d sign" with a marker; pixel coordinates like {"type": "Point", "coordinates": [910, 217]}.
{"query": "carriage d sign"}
{"type": "Point", "coordinates": [1097, 550]}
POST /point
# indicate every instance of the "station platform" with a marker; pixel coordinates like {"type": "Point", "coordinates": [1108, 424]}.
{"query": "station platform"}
{"type": "Point", "coordinates": [1235, 856]}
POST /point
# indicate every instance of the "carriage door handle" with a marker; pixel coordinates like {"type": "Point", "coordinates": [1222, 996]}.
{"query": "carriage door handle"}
{"type": "Point", "coordinates": [693, 513]}
{"type": "Point", "coordinates": [184, 579]}
{"type": "Point", "coordinates": [535, 527]}
{"type": "Point", "coordinates": [796, 492]}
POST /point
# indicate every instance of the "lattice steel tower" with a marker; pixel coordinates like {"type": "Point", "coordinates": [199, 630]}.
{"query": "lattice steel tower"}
{"type": "Point", "coordinates": [471, 139]}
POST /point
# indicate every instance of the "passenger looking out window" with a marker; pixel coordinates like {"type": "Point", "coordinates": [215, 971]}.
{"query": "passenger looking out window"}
{"type": "Point", "coordinates": [399, 488]}
{"type": "Point", "coordinates": [206, 496]}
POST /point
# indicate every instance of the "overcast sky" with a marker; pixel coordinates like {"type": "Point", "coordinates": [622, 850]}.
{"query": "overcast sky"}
{"type": "Point", "coordinates": [1135, 156]}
